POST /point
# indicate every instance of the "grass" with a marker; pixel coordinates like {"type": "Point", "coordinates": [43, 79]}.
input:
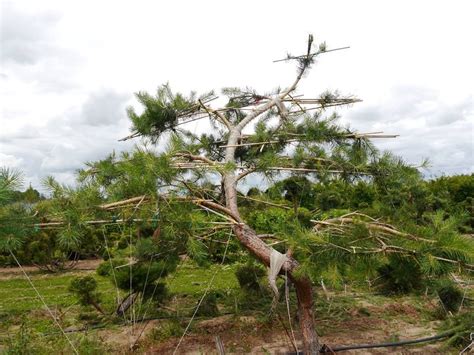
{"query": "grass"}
{"type": "Point", "coordinates": [189, 280]}
{"type": "Point", "coordinates": [16, 295]}
{"type": "Point", "coordinates": [20, 307]}
{"type": "Point", "coordinates": [18, 298]}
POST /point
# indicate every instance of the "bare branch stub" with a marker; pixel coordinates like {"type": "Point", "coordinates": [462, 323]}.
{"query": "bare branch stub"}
{"type": "Point", "coordinates": [312, 54]}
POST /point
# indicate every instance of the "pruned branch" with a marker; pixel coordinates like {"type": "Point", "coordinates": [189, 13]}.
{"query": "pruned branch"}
{"type": "Point", "coordinates": [220, 208]}
{"type": "Point", "coordinates": [302, 138]}
{"type": "Point", "coordinates": [311, 54]}
{"type": "Point", "coordinates": [124, 202]}
{"type": "Point", "coordinates": [348, 221]}
{"type": "Point", "coordinates": [195, 157]}
{"type": "Point", "coordinates": [220, 117]}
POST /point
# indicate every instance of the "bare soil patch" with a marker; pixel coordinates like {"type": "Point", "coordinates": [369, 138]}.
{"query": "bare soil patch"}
{"type": "Point", "coordinates": [246, 336]}
{"type": "Point", "coordinates": [12, 272]}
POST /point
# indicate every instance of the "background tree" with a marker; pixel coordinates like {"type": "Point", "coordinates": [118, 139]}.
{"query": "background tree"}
{"type": "Point", "coordinates": [12, 214]}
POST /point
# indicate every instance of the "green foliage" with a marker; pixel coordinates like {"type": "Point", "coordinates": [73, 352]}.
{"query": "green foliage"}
{"type": "Point", "coordinates": [10, 180]}
{"type": "Point", "coordinates": [12, 216]}
{"type": "Point", "coordinates": [105, 268]}
{"type": "Point", "coordinates": [400, 275]}
{"type": "Point", "coordinates": [144, 277]}
{"type": "Point", "coordinates": [271, 220]}
{"type": "Point", "coordinates": [450, 295]}
{"type": "Point", "coordinates": [85, 289]}
{"type": "Point", "coordinates": [208, 307]}
{"type": "Point", "coordinates": [13, 229]}
{"type": "Point", "coordinates": [91, 345]}
{"type": "Point", "coordinates": [167, 329]}
{"type": "Point", "coordinates": [463, 326]}
{"type": "Point", "coordinates": [75, 207]}
{"type": "Point", "coordinates": [42, 249]}
{"type": "Point", "coordinates": [162, 111]}
{"type": "Point", "coordinates": [22, 342]}
{"type": "Point", "coordinates": [249, 277]}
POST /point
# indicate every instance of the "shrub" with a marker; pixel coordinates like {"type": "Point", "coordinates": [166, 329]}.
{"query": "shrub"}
{"type": "Point", "coordinates": [208, 307]}
{"type": "Point", "coordinates": [450, 295]}
{"type": "Point", "coordinates": [249, 276]}
{"type": "Point", "coordinates": [167, 329]}
{"type": "Point", "coordinates": [105, 268]}
{"type": "Point", "coordinates": [144, 278]}
{"type": "Point", "coordinates": [85, 289]}
{"type": "Point", "coordinates": [399, 276]}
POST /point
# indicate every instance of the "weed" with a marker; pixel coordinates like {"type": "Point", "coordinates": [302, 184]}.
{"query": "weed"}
{"type": "Point", "coordinates": [167, 329]}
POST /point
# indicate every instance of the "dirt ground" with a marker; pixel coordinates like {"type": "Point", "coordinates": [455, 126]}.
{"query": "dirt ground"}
{"type": "Point", "coordinates": [246, 336]}
{"type": "Point", "coordinates": [14, 272]}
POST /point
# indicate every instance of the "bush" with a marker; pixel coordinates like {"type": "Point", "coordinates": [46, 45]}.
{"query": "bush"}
{"type": "Point", "coordinates": [123, 242]}
{"type": "Point", "coordinates": [208, 307]}
{"type": "Point", "coordinates": [105, 269]}
{"type": "Point", "coordinates": [450, 295]}
{"type": "Point", "coordinates": [144, 278]}
{"type": "Point", "coordinates": [85, 289]}
{"type": "Point", "coordinates": [399, 276]}
{"type": "Point", "coordinates": [249, 276]}
{"type": "Point", "coordinates": [167, 329]}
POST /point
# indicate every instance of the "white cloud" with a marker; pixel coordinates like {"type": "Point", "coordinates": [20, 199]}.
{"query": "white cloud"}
{"type": "Point", "coordinates": [428, 125]}
{"type": "Point", "coordinates": [69, 68]}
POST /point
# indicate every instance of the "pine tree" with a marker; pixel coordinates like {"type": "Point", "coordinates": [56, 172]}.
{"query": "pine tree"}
{"type": "Point", "coordinates": [292, 135]}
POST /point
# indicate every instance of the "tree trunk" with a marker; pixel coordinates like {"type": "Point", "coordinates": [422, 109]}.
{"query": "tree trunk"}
{"type": "Point", "coordinates": [248, 238]}
{"type": "Point", "coordinates": [126, 304]}
{"type": "Point", "coordinates": [96, 305]}
{"type": "Point", "coordinates": [304, 293]}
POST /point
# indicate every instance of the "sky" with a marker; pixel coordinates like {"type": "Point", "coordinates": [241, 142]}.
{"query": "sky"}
{"type": "Point", "coordinates": [70, 68]}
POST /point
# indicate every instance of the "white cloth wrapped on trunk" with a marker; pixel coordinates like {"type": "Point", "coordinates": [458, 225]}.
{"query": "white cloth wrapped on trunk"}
{"type": "Point", "coordinates": [277, 260]}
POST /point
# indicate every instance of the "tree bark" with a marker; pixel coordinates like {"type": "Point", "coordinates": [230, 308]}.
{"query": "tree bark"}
{"type": "Point", "coordinates": [249, 238]}
{"type": "Point", "coordinates": [96, 306]}
{"type": "Point", "coordinates": [304, 292]}
{"type": "Point", "coordinates": [126, 304]}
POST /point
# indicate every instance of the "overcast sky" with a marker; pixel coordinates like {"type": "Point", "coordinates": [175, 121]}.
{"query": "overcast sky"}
{"type": "Point", "coordinates": [70, 68]}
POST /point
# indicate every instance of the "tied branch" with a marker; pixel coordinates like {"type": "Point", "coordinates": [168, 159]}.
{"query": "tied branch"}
{"type": "Point", "coordinates": [379, 232]}
{"type": "Point", "coordinates": [218, 115]}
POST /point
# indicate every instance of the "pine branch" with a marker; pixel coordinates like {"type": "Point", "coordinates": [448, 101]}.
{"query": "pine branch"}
{"type": "Point", "coordinates": [311, 54]}
{"type": "Point", "coordinates": [348, 222]}
{"type": "Point", "coordinates": [193, 157]}
{"type": "Point", "coordinates": [216, 113]}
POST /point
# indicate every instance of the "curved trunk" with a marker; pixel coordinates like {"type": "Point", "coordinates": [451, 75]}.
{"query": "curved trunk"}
{"type": "Point", "coordinates": [249, 239]}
